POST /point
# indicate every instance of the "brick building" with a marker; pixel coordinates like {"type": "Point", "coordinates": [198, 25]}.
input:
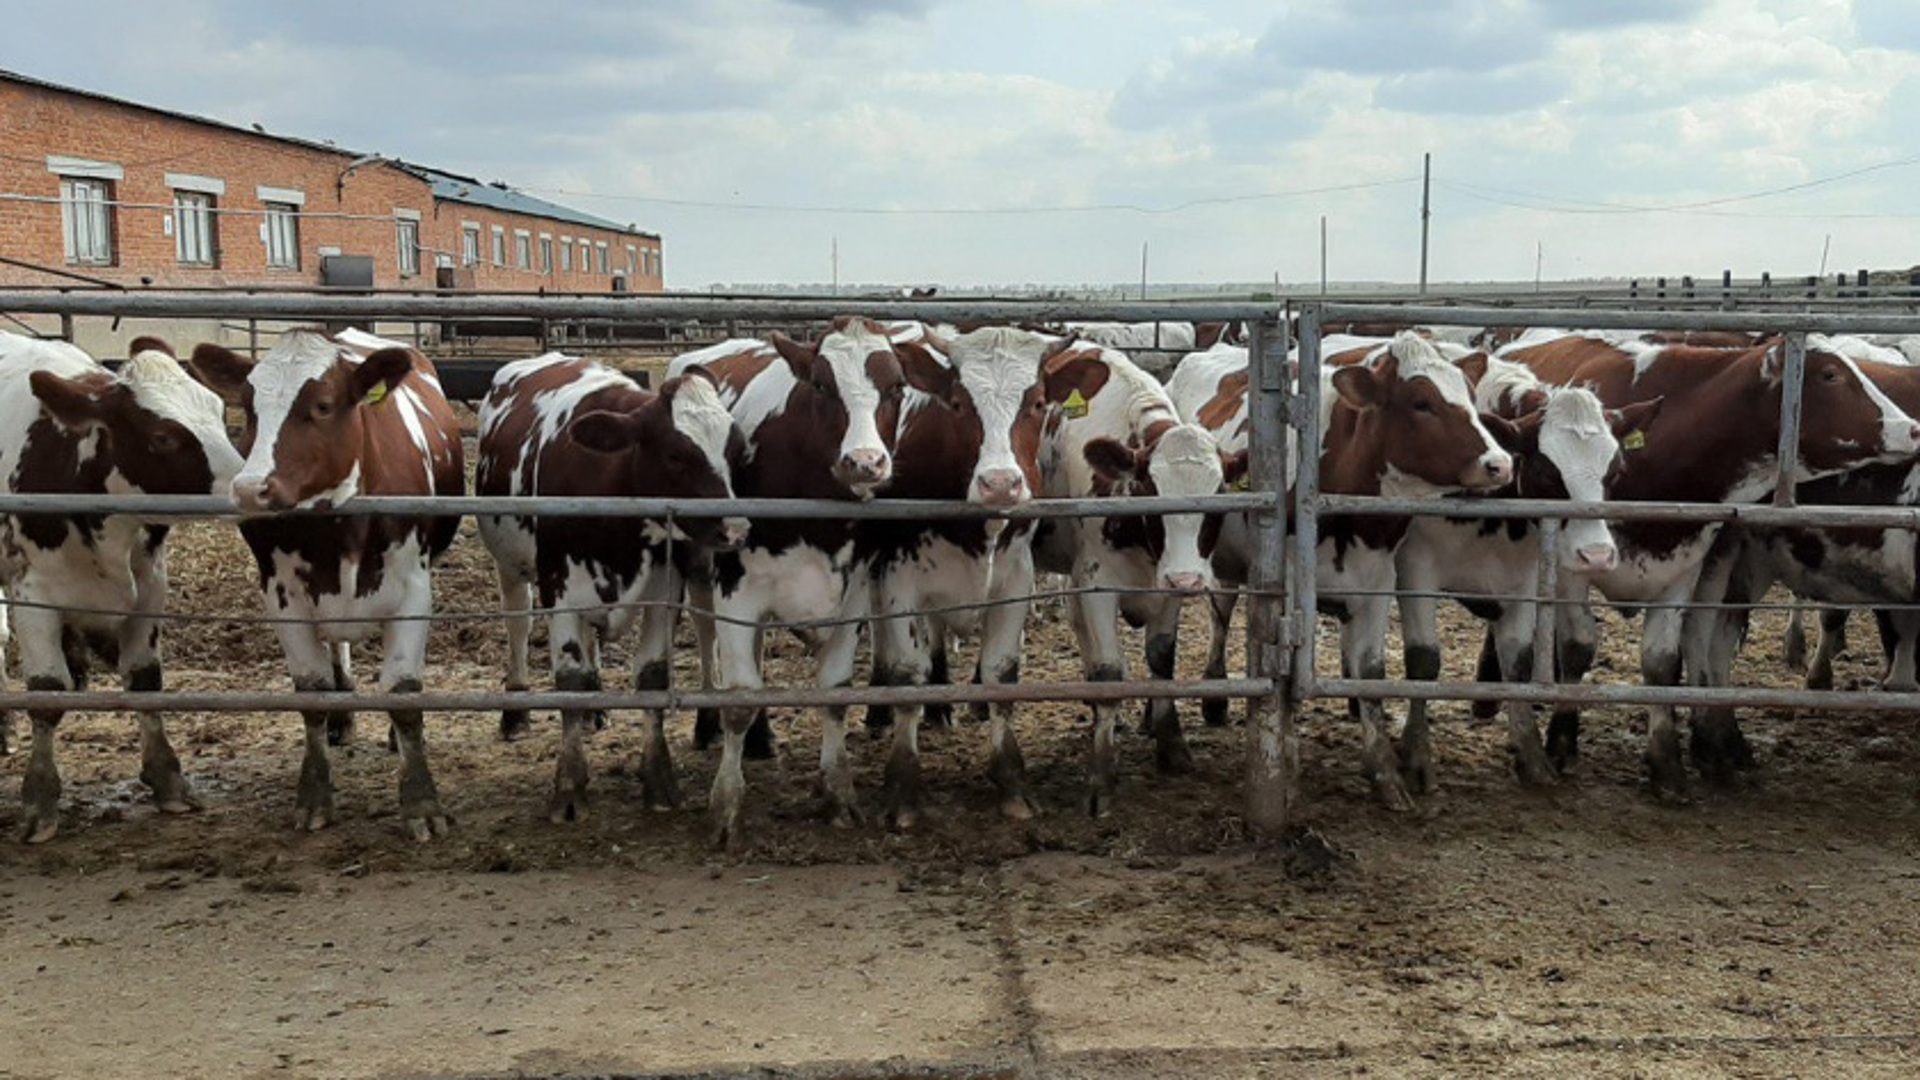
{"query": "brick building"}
{"type": "Point", "coordinates": [109, 190]}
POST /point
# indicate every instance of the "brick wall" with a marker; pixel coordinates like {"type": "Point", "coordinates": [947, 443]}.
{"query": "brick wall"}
{"type": "Point", "coordinates": [352, 211]}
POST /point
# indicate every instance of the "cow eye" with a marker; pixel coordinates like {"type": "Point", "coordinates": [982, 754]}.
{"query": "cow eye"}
{"type": "Point", "coordinates": [322, 410]}
{"type": "Point", "coordinates": [1831, 375]}
{"type": "Point", "coordinates": [1423, 406]}
{"type": "Point", "coordinates": [164, 442]}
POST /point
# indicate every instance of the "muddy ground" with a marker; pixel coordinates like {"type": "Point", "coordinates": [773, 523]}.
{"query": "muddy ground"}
{"type": "Point", "coordinates": [1583, 930]}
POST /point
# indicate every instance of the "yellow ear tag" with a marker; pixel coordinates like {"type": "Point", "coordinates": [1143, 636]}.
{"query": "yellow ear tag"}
{"type": "Point", "coordinates": [1243, 483]}
{"type": "Point", "coordinates": [1634, 440]}
{"type": "Point", "coordinates": [1075, 406]}
{"type": "Point", "coordinates": [376, 395]}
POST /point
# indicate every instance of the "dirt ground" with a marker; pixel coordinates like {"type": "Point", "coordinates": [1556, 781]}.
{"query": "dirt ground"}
{"type": "Point", "coordinates": [1579, 931]}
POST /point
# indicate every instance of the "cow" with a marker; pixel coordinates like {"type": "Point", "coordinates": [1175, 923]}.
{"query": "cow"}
{"type": "Point", "coordinates": [971, 431]}
{"type": "Point", "coordinates": [1397, 420]}
{"type": "Point", "coordinates": [327, 420]}
{"type": "Point", "coordinates": [556, 425]}
{"type": "Point", "coordinates": [97, 583]}
{"type": "Point", "coordinates": [1112, 430]}
{"type": "Point", "coordinates": [1717, 445]}
{"type": "Point", "coordinates": [1569, 447]}
{"type": "Point", "coordinates": [819, 421]}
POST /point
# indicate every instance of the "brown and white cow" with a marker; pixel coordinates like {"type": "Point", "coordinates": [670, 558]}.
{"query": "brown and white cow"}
{"type": "Point", "coordinates": [557, 425]}
{"type": "Point", "coordinates": [819, 422]}
{"type": "Point", "coordinates": [69, 426]}
{"type": "Point", "coordinates": [1717, 443]}
{"type": "Point", "coordinates": [1396, 418]}
{"type": "Point", "coordinates": [969, 431]}
{"type": "Point", "coordinates": [326, 421]}
{"type": "Point", "coordinates": [1112, 430]}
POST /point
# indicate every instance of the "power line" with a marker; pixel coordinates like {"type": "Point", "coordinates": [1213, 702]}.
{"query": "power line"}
{"type": "Point", "coordinates": [1135, 208]}
{"type": "Point", "coordinates": [1568, 205]}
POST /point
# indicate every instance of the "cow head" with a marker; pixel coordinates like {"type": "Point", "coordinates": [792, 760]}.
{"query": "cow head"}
{"type": "Point", "coordinates": [1846, 420]}
{"type": "Point", "coordinates": [159, 431]}
{"type": "Point", "coordinates": [996, 384]}
{"type": "Point", "coordinates": [854, 385]}
{"type": "Point", "coordinates": [1572, 448]}
{"type": "Point", "coordinates": [679, 444]}
{"type": "Point", "coordinates": [1432, 439]}
{"type": "Point", "coordinates": [304, 402]}
{"type": "Point", "coordinates": [1183, 460]}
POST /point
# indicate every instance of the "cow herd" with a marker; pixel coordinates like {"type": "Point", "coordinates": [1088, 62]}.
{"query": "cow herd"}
{"type": "Point", "coordinates": [994, 415]}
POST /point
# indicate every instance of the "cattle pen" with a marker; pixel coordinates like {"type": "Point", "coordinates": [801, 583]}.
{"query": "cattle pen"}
{"type": "Point", "coordinates": [1071, 963]}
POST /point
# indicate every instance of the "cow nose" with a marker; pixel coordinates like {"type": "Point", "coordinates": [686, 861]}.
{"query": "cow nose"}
{"type": "Point", "coordinates": [1001, 487]}
{"type": "Point", "coordinates": [733, 531]}
{"type": "Point", "coordinates": [866, 466]}
{"type": "Point", "coordinates": [1597, 558]}
{"type": "Point", "coordinates": [1187, 582]}
{"type": "Point", "coordinates": [261, 494]}
{"type": "Point", "coordinates": [1499, 468]}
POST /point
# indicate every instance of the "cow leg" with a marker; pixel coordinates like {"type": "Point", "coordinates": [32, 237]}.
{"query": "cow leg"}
{"type": "Point", "coordinates": [1898, 629]}
{"type": "Point", "coordinates": [1576, 639]}
{"type": "Point", "coordinates": [879, 714]}
{"type": "Point", "coordinates": [1712, 644]}
{"type": "Point", "coordinates": [1660, 666]}
{"type": "Point", "coordinates": [1363, 638]}
{"type": "Point", "coordinates": [706, 719]}
{"type": "Point", "coordinates": [1213, 711]}
{"type": "Point", "coordinates": [1003, 631]}
{"type": "Point", "coordinates": [653, 670]}
{"type": "Point", "coordinates": [405, 645]}
{"type": "Point", "coordinates": [1833, 639]}
{"type": "Point", "coordinates": [833, 666]}
{"type": "Point", "coordinates": [1486, 670]}
{"type": "Point", "coordinates": [310, 662]}
{"type": "Point", "coordinates": [1793, 645]}
{"type": "Point", "coordinates": [516, 604]}
{"type": "Point", "coordinates": [569, 637]}
{"type": "Point", "coordinates": [1420, 635]}
{"type": "Point", "coordinates": [1096, 623]}
{"type": "Point", "coordinates": [736, 652]}
{"type": "Point", "coordinates": [938, 714]}
{"type": "Point", "coordinates": [1170, 753]}
{"type": "Point", "coordinates": [140, 671]}
{"type": "Point", "coordinates": [43, 662]}
{"type": "Point", "coordinates": [1513, 641]}
{"type": "Point", "coordinates": [910, 664]}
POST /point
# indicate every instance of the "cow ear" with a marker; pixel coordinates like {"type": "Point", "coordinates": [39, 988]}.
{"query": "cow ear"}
{"type": "Point", "coordinates": [221, 370]}
{"type": "Point", "coordinates": [379, 374]}
{"type": "Point", "coordinates": [1511, 436]}
{"type": "Point", "coordinates": [1773, 364]}
{"type": "Point", "coordinates": [1634, 418]}
{"type": "Point", "coordinates": [1359, 386]}
{"type": "Point", "coordinates": [1111, 460]}
{"type": "Point", "coordinates": [697, 371]}
{"type": "Point", "coordinates": [74, 405]}
{"type": "Point", "coordinates": [925, 373]}
{"type": "Point", "coordinates": [799, 357]}
{"type": "Point", "coordinates": [1233, 470]}
{"type": "Point", "coordinates": [1474, 367]}
{"type": "Point", "coordinates": [149, 343]}
{"type": "Point", "coordinates": [605, 432]}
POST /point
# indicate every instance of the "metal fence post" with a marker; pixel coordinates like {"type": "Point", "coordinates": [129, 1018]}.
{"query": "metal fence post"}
{"type": "Point", "coordinates": [1793, 384]}
{"type": "Point", "coordinates": [1306, 505]}
{"type": "Point", "coordinates": [1273, 754]}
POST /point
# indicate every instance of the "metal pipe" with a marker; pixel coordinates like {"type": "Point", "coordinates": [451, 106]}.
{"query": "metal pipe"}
{"type": "Point", "coordinates": [1588, 318]}
{"type": "Point", "coordinates": [1307, 502]}
{"type": "Point", "coordinates": [486, 701]}
{"type": "Point", "coordinates": [629, 308]}
{"type": "Point", "coordinates": [1272, 755]}
{"type": "Point", "coordinates": [215, 506]}
{"type": "Point", "coordinates": [1878, 517]}
{"type": "Point", "coordinates": [1588, 694]}
{"type": "Point", "coordinates": [1544, 611]}
{"type": "Point", "coordinates": [1792, 388]}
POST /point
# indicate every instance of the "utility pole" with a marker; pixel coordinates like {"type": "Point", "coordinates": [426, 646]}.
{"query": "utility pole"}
{"type": "Point", "coordinates": [1323, 254]}
{"type": "Point", "coordinates": [1539, 254]}
{"type": "Point", "coordinates": [1426, 211]}
{"type": "Point", "coordinates": [1143, 269]}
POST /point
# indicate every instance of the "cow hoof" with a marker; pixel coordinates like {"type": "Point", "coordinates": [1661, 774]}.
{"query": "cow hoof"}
{"type": "Point", "coordinates": [1392, 792]}
{"type": "Point", "coordinates": [1899, 686]}
{"type": "Point", "coordinates": [1531, 766]}
{"type": "Point", "coordinates": [425, 823]}
{"type": "Point", "coordinates": [1664, 773]}
{"type": "Point", "coordinates": [186, 803]}
{"type": "Point", "coordinates": [1019, 806]}
{"type": "Point", "coordinates": [660, 790]}
{"type": "Point", "coordinates": [567, 807]}
{"type": "Point", "coordinates": [1563, 743]}
{"type": "Point", "coordinates": [39, 827]}
{"type": "Point", "coordinates": [728, 835]}
{"type": "Point", "coordinates": [1213, 711]}
{"type": "Point", "coordinates": [339, 729]}
{"type": "Point", "coordinates": [903, 818]}
{"type": "Point", "coordinates": [312, 818]}
{"type": "Point", "coordinates": [515, 723]}
{"type": "Point", "coordinates": [1820, 678]}
{"type": "Point", "coordinates": [1100, 801]}
{"type": "Point", "coordinates": [1417, 775]}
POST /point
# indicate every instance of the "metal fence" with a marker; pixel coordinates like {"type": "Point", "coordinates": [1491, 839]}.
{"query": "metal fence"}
{"type": "Point", "coordinates": [1269, 743]}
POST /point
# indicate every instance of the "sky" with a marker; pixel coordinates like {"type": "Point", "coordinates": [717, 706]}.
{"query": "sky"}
{"type": "Point", "coordinates": [984, 142]}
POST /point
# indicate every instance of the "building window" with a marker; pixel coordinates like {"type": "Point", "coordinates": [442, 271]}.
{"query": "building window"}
{"type": "Point", "coordinates": [499, 246]}
{"type": "Point", "coordinates": [566, 254]}
{"type": "Point", "coordinates": [86, 217]}
{"type": "Point", "coordinates": [283, 236]}
{"type": "Point", "coordinates": [194, 234]}
{"type": "Point", "coordinates": [546, 254]}
{"type": "Point", "coordinates": [586, 256]}
{"type": "Point", "coordinates": [470, 245]}
{"type": "Point", "coordinates": [602, 247]}
{"type": "Point", "coordinates": [522, 250]}
{"type": "Point", "coordinates": [633, 261]}
{"type": "Point", "coordinates": [407, 235]}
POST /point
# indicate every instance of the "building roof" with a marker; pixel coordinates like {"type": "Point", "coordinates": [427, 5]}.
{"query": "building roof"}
{"type": "Point", "coordinates": [452, 187]}
{"type": "Point", "coordinates": [447, 186]}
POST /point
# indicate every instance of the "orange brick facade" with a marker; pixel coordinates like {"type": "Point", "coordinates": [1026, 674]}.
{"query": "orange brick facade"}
{"type": "Point", "coordinates": [342, 210]}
